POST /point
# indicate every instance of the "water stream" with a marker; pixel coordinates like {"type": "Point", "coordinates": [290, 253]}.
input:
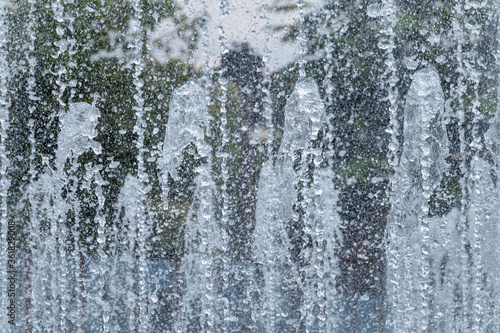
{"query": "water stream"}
{"type": "Point", "coordinates": [354, 190]}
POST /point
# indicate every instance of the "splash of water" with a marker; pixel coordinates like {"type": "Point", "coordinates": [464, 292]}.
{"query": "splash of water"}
{"type": "Point", "coordinates": [203, 238]}
{"type": "Point", "coordinates": [279, 232]}
{"type": "Point", "coordinates": [411, 230]}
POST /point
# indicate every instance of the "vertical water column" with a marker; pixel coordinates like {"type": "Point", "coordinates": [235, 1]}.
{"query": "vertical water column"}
{"type": "Point", "coordinates": [5, 254]}
{"type": "Point", "coordinates": [332, 237]}
{"type": "Point", "coordinates": [268, 131]}
{"type": "Point", "coordinates": [484, 244]}
{"type": "Point", "coordinates": [142, 224]}
{"type": "Point", "coordinates": [491, 250]}
{"type": "Point", "coordinates": [214, 308]}
{"type": "Point", "coordinates": [484, 210]}
{"type": "Point", "coordinates": [222, 154]}
{"type": "Point", "coordinates": [330, 222]}
{"type": "Point", "coordinates": [271, 249]}
{"type": "Point", "coordinates": [467, 90]}
{"type": "Point", "coordinates": [323, 226]}
{"type": "Point", "coordinates": [291, 168]}
{"type": "Point", "coordinates": [86, 278]}
{"type": "Point", "coordinates": [302, 40]}
{"type": "Point", "coordinates": [271, 246]}
{"type": "Point", "coordinates": [34, 274]}
{"type": "Point", "coordinates": [60, 229]}
{"type": "Point", "coordinates": [409, 224]}
{"type": "Point", "coordinates": [472, 68]}
{"type": "Point", "coordinates": [299, 207]}
{"type": "Point", "coordinates": [321, 220]}
{"type": "Point", "coordinates": [127, 202]}
{"type": "Point", "coordinates": [314, 288]}
{"type": "Point", "coordinates": [463, 260]}
{"type": "Point", "coordinates": [76, 137]}
{"type": "Point", "coordinates": [185, 134]}
{"type": "Point", "coordinates": [269, 233]}
{"type": "Point", "coordinates": [388, 17]}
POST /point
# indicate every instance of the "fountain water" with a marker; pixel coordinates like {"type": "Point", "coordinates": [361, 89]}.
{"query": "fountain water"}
{"type": "Point", "coordinates": [491, 233]}
{"type": "Point", "coordinates": [441, 277]}
{"type": "Point", "coordinates": [306, 259]}
{"type": "Point", "coordinates": [484, 232]}
{"type": "Point", "coordinates": [150, 248]}
{"type": "Point", "coordinates": [203, 243]}
{"type": "Point", "coordinates": [413, 235]}
{"type": "Point", "coordinates": [60, 226]}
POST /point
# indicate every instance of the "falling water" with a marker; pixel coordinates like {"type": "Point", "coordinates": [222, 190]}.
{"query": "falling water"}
{"type": "Point", "coordinates": [278, 215]}
{"type": "Point", "coordinates": [222, 232]}
{"type": "Point", "coordinates": [142, 224]}
{"type": "Point", "coordinates": [411, 229]}
{"type": "Point", "coordinates": [435, 269]}
{"type": "Point", "coordinates": [491, 251]}
{"type": "Point", "coordinates": [58, 262]}
{"type": "Point", "coordinates": [185, 134]}
{"type": "Point", "coordinates": [127, 201]}
{"type": "Point", "coordinates": [5, 255]}
{"type": "Point", "coordinates": [221, 273]}
{"type": "Point", "coordinates": [485, 231]}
